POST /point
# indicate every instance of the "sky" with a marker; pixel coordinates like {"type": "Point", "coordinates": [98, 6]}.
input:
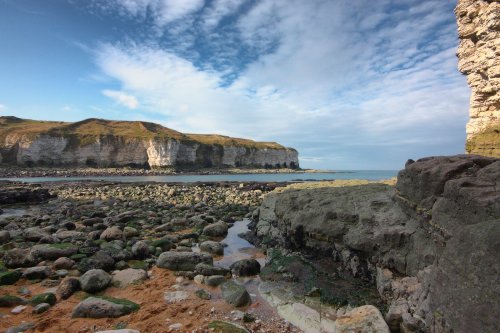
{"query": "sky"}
{"type": "Point", "coordinates": [351, 84]}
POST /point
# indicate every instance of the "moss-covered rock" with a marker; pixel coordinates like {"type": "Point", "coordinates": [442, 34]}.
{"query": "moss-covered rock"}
{"type": "Point", "coordinates": [9, 277]}
{"type": "Point", "coordinates": [104, 307]}
{"type": "Point", "coordinates": [138, 264]}
{"type": "Point", "coordinates": [218, 326]}
{"type": "Point", "coordinates": [9, 301]}
{"type": "Point", "coordinates": [49, 298]}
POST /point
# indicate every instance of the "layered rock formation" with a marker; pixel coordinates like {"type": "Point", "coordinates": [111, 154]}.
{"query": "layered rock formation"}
{"type": "Point", "coordinates": [478, 58]}
{"type": "Point", "coordinates": [102, 143]}
{"type": "Point", "coordinates": [430, 244]}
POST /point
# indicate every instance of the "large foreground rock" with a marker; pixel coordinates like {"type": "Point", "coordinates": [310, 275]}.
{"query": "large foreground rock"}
{"type": "Point", "coordinates": [430, 243]}
{"type": "Point", "coordinates": [94, 307]}
{"type": "Point", "coordinates": [182, 261]}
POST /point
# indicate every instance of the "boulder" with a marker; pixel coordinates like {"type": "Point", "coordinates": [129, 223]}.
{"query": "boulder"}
{"type": "Point", "coordinates": [64, 263]}
{"type": "Point", "coordinates": [4, 236]}
{"type": "Point", "coordinates": [235, 294]}
{"type": "Point", "coordinates": [9, 277]}
{"type": "Point", "coordinates": [34, 234]}
{"type": "Point", "coordinates": [19, 258]}
{"type": "Point", "coordinates": [140, 250]}
{"type": "Point", "coordinates": [104, 307]}
{"type": "Point", "coordinates": [100, 260]}
{"type": "Point", "coordinates": [40, 308]}
{"type": "Point", "coordinates": [176, 296]}
{"type": "Point", "coordinates": [111, 233]}
{"type": "Point", "coordinates": [214, 280]}
{"type": "Point", "coordinates": [128, 276]}
{"type": "Point", "coordinates": [208, 270]}
{"type": "Point", "coordinates": [217, 229]}
{"type": "Point", "coordinates": [25, 327]}
{"type": "Point", "coordinates": [95, 280]}
{"type": "Point", "coordinates": [245, 267]}
{"type": "Point", "coordinates": [68, 287]}
{"type": "Point", "coordinates": [10, 301]}
{"type": "Point", "coordinates": [182, 261]}
{"type": "Point", "coordinates": [212, 247]}
{"type": "Point", "coordinates": [53, 251]}
{"type": "Point", "coordinates": [37, 273]}
{"type": "Point", "coordinates": [43, 298]}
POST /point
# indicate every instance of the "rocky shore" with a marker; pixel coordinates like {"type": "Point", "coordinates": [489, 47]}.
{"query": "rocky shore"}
{"type": "Point", "coordinates": [100, 256]}
{"type": "Point", "coordinates": [430, 244]}
{"type": "Point", "coordinates": [20, 172]}
{"type": "Point", "coordinates": [416, 255]}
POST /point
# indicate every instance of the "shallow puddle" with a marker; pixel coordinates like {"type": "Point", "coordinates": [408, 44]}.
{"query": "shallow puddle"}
{"type": "Point", "coordinates": [238, 248]}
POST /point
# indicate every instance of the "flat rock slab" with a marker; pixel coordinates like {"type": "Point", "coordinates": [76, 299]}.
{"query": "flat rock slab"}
{"type": "Point", "coordinates": [364, 319]}
{"type": "Point", "coordinates": [129, 276]}
{"type": "Point", "coordinates": [53, 251]}
{"type": "Point", "coordinates": [104, 307]}
{"type": "Point", "coordinates": [176, 296]}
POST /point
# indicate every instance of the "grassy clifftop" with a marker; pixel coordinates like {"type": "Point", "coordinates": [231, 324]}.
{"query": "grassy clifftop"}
{"type": "Point", "coordinates": [89, 130]}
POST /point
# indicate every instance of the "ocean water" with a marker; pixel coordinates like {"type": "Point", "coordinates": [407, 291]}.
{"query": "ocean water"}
{"type": "Point", "coordinates": [261, 177]}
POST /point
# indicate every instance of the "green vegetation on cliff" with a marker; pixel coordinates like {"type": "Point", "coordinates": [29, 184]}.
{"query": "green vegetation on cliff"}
{"type": "Point", "coordinates": [90, 130]}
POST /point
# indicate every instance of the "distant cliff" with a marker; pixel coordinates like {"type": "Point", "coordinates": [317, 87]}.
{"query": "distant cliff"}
{"type": "Point", "coordinates": [479, 59]}
{"type": "Point", "coordinates": [104, 143]}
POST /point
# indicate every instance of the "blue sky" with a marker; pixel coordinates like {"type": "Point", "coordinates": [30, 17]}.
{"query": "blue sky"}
{"type": "Point", "coordinates": [350, 84]}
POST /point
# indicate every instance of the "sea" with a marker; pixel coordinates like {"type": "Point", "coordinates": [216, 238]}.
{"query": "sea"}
{"type": "Point", "coordinates": [193, 178]}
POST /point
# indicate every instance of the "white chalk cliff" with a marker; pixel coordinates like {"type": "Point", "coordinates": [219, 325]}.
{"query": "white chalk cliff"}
{"type": "Point", "coordinates": [102, 143]}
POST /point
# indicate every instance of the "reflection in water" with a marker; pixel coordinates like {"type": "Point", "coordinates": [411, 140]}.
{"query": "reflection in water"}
{"type": "Point", "coordinates": [238, 248]}
{"type": "Point", "coordinates": [13, 212]}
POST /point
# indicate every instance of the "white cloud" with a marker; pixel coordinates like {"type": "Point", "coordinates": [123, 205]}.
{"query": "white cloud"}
{"type": "Point", "coordinates": [218, 10]}
{"type": "Point", "coordinates": [129, 101]}
{"type": "Point", "coordinates": [163, 11]}
{"type": "Point", "coordinates": [2, 107]}
{"type": "Point", "coordinates": [343, 82]}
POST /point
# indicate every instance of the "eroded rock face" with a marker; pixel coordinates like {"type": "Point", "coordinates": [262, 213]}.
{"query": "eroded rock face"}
{"type": "Point", "coordinates": [429, 243]}
{"type": "Point", "coordinates": [478, 55]}
{"type": "Point", "coordinates": [102, 143]}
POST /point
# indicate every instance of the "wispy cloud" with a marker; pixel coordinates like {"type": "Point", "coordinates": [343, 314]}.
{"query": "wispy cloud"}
{"type": "Point", "coordinates": [347, 82]}
{"type": "Point", "coordinates": [2, 108]}
{"type": "Point", "coordinates": [161, 11]}
{"type": "Point", "coordinates": [129, 101]}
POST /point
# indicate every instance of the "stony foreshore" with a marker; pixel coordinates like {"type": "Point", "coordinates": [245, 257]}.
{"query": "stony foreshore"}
{"type": "Point", "coordinates": [19, 172]}
{"type": "Point", "coordinates": [97, 257]}
{"type": "Point", "coordinates": [340, 256]}
{"type": "Point", "coordinates": [88, 257]}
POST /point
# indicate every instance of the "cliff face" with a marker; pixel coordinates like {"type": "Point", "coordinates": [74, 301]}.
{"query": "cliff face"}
{"type": "Point", "coordinates": [430, 244]}
{"type": "Point", "coordinates": [479, 54]}
{"type": "Point", "coordinates": [102, 143]}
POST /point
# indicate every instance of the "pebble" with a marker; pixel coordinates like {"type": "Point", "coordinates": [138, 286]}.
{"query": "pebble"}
{"type": "Point", "coordinates": [18, 309]}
